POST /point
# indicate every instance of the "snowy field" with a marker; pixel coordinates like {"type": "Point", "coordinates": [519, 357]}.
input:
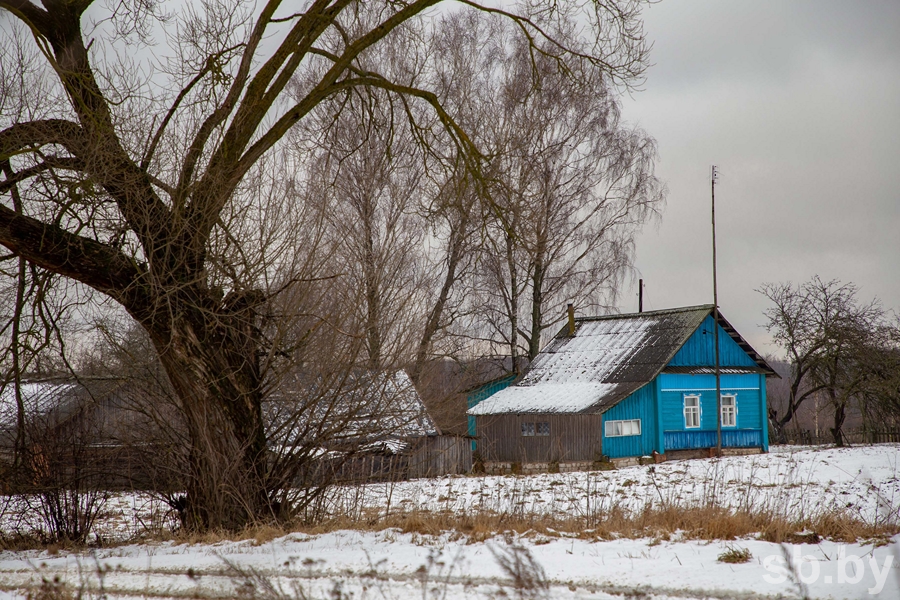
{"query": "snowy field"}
{"type": "Point", "coordinates": [393, 565]}
{"type": "Point", "coordinates": [863, 482]}
{"type": "Point", "coordinates": [791, 481]}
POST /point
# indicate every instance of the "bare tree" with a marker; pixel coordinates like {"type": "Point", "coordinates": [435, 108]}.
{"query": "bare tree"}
{"type": "Point", "coordinates": [370, 178]}
{"type": "Point", "coordinates": [571, 184]}
{"type": "Point", "coordinates": [881, 398]}
{"type": "Point", "coordinates": [146, 165]}
{"type": "Point", "coordinates": [826, 333]}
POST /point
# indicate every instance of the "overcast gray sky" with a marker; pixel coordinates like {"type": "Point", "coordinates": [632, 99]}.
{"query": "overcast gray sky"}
{"type": "Point", "coordinates": [798, 103]}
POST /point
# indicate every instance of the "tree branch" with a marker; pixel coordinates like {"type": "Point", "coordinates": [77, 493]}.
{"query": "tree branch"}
{"type": "Point", "coordinates": [79, 258]}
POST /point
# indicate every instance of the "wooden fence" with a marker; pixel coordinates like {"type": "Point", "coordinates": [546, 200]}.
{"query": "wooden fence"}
{"type": "Point", "coordinates": [851, 436]}
{"type": "Point", "coordinates": [431, 456]}
{"type": "Point", "coordinates": [441, 455]}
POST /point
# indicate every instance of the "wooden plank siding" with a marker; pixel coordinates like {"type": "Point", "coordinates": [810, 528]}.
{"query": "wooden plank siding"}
{"type": "Point", "coordinates": [699, 350]}
{"type": "Point", "coordinates": [750, 428]}
{"type": "Point", "coordinates": [744, 387]}
{"type": "Point", "coordinates": [639, 405]}
{"type": "Point", "coordinates": [485, 390]}
{"type": "Point", "coordinates": [438, 455]}
{"type": "Point", "coordinates": [731, 438]}
{"type": "Point", "coordinates": [572, 438]}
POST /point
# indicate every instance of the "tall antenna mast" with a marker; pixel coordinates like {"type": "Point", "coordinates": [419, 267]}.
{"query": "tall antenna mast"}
{"type": "Point", "coordinates": [714, 176]}
{"type": "Point", "coordinates": [640, 295]}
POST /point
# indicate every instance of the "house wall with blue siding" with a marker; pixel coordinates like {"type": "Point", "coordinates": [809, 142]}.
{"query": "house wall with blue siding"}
{"type": "Point", "coordinates": [639, 405]}
{"type": "Point", "coordinates": [674, 387]}
{"type": "Point", "coordinates": [699, 350]}
{"type": "Point", "coordinates": [750, 425]}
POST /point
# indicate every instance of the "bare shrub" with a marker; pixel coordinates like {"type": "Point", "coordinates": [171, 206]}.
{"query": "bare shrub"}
{"type": "Point", "coordinates": [528, 577]}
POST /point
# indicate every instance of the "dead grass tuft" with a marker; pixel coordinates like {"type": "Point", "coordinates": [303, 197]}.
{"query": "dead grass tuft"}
{"type": "Point", "coordinates": [264, 533]}
{"type": "Point", "coordinates": [54, 589]}
{"type": "Point", "coordinates": [735, 556]}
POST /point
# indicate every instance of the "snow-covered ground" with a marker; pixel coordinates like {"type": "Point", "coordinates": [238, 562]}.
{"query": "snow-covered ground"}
{"type": "Point", "coordinates": [863, 482]}
{"type": "Point", "coordinates": [791, 481]}
{"type": "Point", "coordinates": [389, 564]}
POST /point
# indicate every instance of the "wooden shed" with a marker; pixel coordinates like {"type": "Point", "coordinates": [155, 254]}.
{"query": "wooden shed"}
{"type": "Point", "coordinates": [630, 385]}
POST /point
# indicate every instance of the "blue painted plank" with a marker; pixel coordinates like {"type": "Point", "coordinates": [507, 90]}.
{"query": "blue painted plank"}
{"type": "Point", "coordinates": [639, 405]}
{"type": "Point", "coordinates": [693, 440]}
{"type": "Point", "coordinates": [699, 350]}
{"type": "Point", "coordinates": [764, 412]}
{"type": "Point", "coordinates": [674, 387]}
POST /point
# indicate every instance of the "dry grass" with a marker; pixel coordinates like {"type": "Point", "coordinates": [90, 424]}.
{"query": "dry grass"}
{"type": "Point", "coordinates": [51, 589]}
{"type": "Point", "coordinates": [735, 556]}
{"type": "Point", "coordinates": [703, 523]}
{"type": "Point", "coordinates": [689, 523]}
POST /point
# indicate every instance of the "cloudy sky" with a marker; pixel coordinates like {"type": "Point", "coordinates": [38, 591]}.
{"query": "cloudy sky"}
{"type": "Point", "coordinates": [798, 103]}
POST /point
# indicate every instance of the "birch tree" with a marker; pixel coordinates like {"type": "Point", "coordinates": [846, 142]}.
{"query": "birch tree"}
{"type": "Point", "coordinates": [570, 183]}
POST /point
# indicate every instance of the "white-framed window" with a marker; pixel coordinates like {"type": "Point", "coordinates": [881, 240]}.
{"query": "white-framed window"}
{"type": "Point", "coordinates": [542, 428]}
{"type": "Point", "coordinates": [528, 429]}
{"type": "Point", "coordinates": [623, 428]}
{"type": "Point", "coordinates": [729, 410]}
{"type": "Point", "coordinates": [691, 412]}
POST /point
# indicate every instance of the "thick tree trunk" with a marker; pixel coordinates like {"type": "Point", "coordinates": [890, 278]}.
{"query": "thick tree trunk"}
{"type": "Point", "coordinates": [373, 289]}
{"type": "Point", "coordinates": [455, 254]}
{"type": "Point", "coordinates": [840, 414]}
{"type": "Point", "coordinates": [212, 365]}
{"type": "Point", "coordinates": [778, 427]}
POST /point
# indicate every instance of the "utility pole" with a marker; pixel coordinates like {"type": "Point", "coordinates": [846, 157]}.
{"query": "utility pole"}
{"type": "Point", "coordinates": [714, 175]}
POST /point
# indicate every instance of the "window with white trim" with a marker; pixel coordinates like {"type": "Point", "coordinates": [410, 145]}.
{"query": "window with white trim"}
{"type": "Point", "coordinates": [729, 410]}
{"type": "Point", "coordinates": [691, 412]}
{"type": "Point", "coordinates": [623, 428]}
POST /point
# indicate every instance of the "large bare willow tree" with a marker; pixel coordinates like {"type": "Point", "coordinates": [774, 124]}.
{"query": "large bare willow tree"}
{"type": "Point", "coordinates": [128, 169]}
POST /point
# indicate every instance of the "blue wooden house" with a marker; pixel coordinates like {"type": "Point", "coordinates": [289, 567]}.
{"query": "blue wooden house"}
{"type": "Point", "coordinates": [629, 386]}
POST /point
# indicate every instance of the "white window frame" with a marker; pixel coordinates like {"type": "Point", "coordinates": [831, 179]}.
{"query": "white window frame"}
{"type": "Point", "coordinates": [528, 429]}
{"type": "Point", "coordinates": [731, 412]}
{"type": "Point", "coordinates": [692, 413]}
{"type": "Point", "coordinates": [623, 428]}
{"type": "Point", "coordinates": [542, 431]}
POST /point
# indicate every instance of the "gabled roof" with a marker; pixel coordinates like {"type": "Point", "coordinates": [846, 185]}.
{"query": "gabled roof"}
{"type": "Point", "coordinates": [374, 410]}
{"type": "Point", "coordinates": [39, 399]}
{"type": "Point", "coordinates": [606, 360]}
{"type": "Point", "coordinates": [52, 401]}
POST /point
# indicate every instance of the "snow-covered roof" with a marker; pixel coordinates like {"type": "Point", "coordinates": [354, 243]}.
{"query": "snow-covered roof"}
{"type": "Point", "coordinates": [381, 411]}
{"type": "Point", "coordinates": [606, 360]}
{"type": "Point", "coordinates": [38, 399]}
{"type": "Point", "coordinates": [397, 407]}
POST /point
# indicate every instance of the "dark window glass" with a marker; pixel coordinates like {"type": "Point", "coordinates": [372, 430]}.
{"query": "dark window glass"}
{"type": "Point", "coordinates": [528, 429]}
{"type": "Point", "coordinates": [543, 428]}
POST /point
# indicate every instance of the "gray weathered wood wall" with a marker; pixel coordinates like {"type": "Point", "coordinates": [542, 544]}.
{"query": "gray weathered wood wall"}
{"type": "Point", "coordinates": [440, 455]}
{"type": "Point", "coordinates": [572, 437]}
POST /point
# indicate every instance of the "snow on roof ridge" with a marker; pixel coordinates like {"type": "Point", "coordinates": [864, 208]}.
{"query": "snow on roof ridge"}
{"type": "Point", "coordinates": [648, 313]}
